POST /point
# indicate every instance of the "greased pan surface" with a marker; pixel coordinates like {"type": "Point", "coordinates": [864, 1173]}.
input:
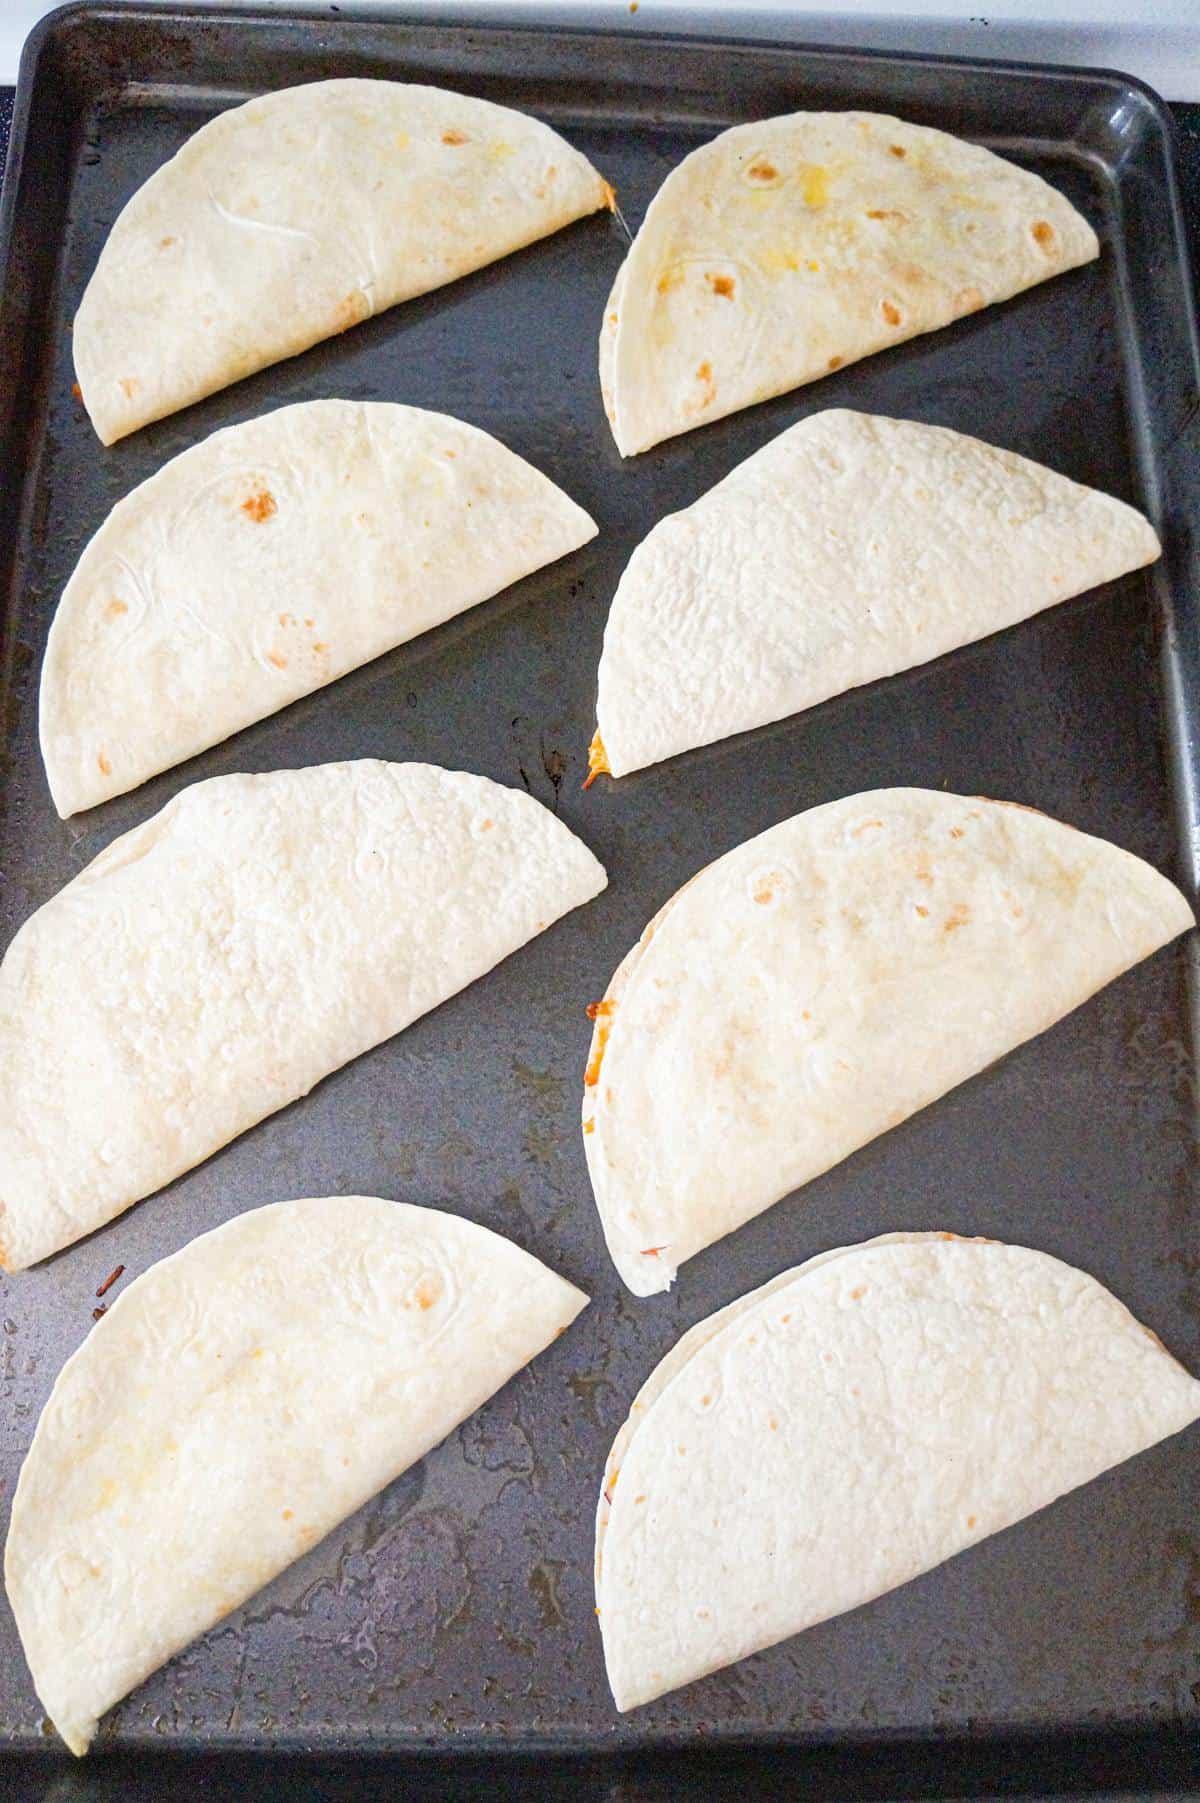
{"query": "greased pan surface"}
{"type": "Point", "coordinates": [455, 1612]}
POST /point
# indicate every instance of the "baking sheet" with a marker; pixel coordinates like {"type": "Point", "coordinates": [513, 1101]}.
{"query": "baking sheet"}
{"type": "Point", "coordinates": [456, 1610]}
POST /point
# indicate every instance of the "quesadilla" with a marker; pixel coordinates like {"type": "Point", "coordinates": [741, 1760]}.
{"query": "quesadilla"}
{"type": "Point", "coordinates": [851, 1425]}
{"type": "Point", "coordinates": [268, 561]}
{"type": "Point", "coordinates": [787, 248]}
{"type": "Point", "coordinates": [849, 548]}
{"type": "Point", "coordinates": [212, 965]}
{"type": "Point", "coordinates": [825, 980]}
{"type": "Point", "coordinates": [299, 214]}
{"type": "Point", "coordinates": [223, 1417]}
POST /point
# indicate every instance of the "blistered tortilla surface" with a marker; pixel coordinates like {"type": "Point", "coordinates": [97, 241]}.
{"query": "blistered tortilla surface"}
{"type": "Point", "coordinates": [851, 1425]}
{"type": "Point", "coordinates": [787, 248]}
{"type": "Point", "coordinates": [849, 548]}
{"type": "Point", "coordinates": [825, 980]}
{"type": "Point", "coordinates": [269, 560]}
{"type": "Point", "coordinates": [236, 1402]}
{"type": "Point", "coordinates": [215, 963]}
{"type": "Point", "coordinates": [299, 214]}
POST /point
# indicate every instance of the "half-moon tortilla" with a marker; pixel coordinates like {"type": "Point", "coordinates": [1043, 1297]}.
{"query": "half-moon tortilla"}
{"type": "Point", "coordinates": [215, 963]}
{"type": "Point", "coordinates": [268, 561]}
{"type": "Point", "coordinates": [851, 1425]}
{"type": "Point", "coordinates": [298, 214]}
{"type": "Point", "coordinates": [784, 249]}
{"type": "Point", "coordinates": [238, 1401]}
{"type": "Point", "coordinates": [825, 980]}
{"type": "Point", "coordinates": [847, 549]}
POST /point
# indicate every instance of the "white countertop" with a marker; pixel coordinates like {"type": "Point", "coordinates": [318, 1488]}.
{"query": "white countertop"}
{"type": "Point", "coordinates": [1158, 40]}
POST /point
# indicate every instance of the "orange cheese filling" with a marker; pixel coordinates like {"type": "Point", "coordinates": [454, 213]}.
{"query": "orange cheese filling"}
{"type": "Point", "coordinates": [597, 760]}
{"type": "Point", "coordinates": [603, 1013]}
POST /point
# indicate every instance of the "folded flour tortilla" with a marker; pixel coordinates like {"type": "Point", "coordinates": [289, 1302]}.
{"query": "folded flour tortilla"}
{"type": "Point", "coordinates": [303, 212]}
{"type": "Point", "coordinates": [266, 562]}
{"type": "Point", "coordinates": [237, 1402]}
{"type": "Point", "coordinates": [214, 964]}
{"type": "Point", "coordinates": [786, 248]}
{"type": "Point", "coordinates": [850, 1425]}
{"type": "Point", "coordinates": [847, 549]}
{"type": "Point", "coordinates": [825, 980]}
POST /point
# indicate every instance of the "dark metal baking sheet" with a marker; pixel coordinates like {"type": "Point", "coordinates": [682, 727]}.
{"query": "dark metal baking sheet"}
{"type": "Point", "coordinates": [455, 1612]}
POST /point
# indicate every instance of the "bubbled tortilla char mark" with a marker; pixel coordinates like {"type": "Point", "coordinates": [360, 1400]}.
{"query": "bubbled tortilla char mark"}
{"type": "Point", "coordinates": [260, 505]}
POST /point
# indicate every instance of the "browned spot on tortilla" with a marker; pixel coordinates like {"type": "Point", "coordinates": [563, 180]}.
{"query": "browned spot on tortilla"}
{"type": "Point", "coordinates": [115, 609]}
{"type": "Point", "coordinates": [764, 894]}
{"type": "Point", "coordinates": [970, 1521]}
{"type": "Point", "coordinates": [600, 1010]}
{"type": "Point", "coordinates": [260, 507]}
{"type": "Point", "coordinates": [958, 917]}
{"type": "Point", "coordinates": [968, 300]}
{"type": "Point", "coordinates": [308, 621]}
{"type": "Point", "coordinates": [762, 171]}
{"type": "Point", "coordinates": [427, 1293]}
{"type": "Point", "coordinates": [131, 385]}
{"type": "Point", "coordinates": [610, 200]}
{"type": "Point", "coordinates": [350, 310]}
{"type": "Point", "coordinates": [956, 832]}
{"type": "Point", "coordinates": [105, 766]}
{"type": "Point", "coordinates": [704, 373]}
{"type": "Point", "coordinates": [857, 1295]}
{"type": "Point", "coordinates": [589, 1126]}
{"type": "Point", "coordinates": [284, 618]}
{"type": "Point", "coordinates": [773, 1425]}
{"type": "Point", "coordinates": [723, 285]}
{"type": "Point", "coordinates": [864, 826]}
{"type": "Point", "coordinates": [165, 243]}
{"type": "Point", "coordinates": [287, 1514]}
{"type": "Point", "coordinates": [669, 279]}
{"type": "Point", "coordinates": [77, 391]}
{"type": "Point", "coordinates": [886, 213]}
{"type": "Point", "coordinates": [1043, 233]}
{"type": "Point", "coordinates": [320, 645]}
{"type": "Point", "coordinates": [487, 826]}
{"type": "Point", "coordinates": [890, 311]}
{"type": "Point", "coordinates": [804, 1014]}
{"type": "Point", "coordinates": [785, 1319]}
{"type": "Point", "coordinates": [706, 1402]}
{"type": "Point", "coordinates": [453, 136]}
{"type": "Point", "coordinates": [898, 150]}
{"type": "Point", "coordinates": [835, 363]}
{"type": "Point", "coordinates": [273, 657]}
{"type": "Point", "coordinates": [923, 912]}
